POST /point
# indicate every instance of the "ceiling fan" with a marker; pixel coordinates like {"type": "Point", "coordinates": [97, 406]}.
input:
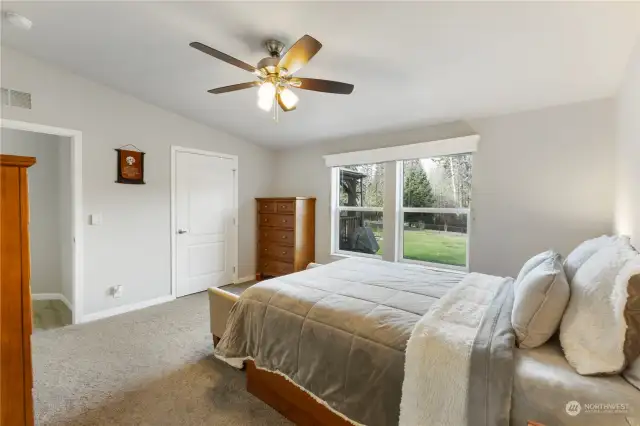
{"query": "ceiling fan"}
{"type": "Point", "coordinates": [275, 74]}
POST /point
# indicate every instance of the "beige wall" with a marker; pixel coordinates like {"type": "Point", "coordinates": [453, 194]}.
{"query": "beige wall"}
{"type": "Point", "coordinates": [541, 179]}
{"type": "Point", "coordinates": [628, 152]}
{"type": "Point", "coordinates": [132, 246]}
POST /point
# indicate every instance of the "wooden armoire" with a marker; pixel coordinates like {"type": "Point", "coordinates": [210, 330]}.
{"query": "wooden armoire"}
{"type": "Point", "coordinates": [16, 378]}
{"type": "Point", "coordinates": [286, 235]}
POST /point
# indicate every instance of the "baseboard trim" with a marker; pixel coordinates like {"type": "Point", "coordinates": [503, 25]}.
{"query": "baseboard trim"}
{"type": "Point", "coordinates": [245, 279]}
{"type": "Point", "coordinates": [52, 296]}
{"type": "Point", "coordinates": [126, 308]}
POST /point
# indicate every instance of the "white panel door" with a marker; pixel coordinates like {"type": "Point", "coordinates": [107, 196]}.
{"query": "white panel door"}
{"type": "Point", "coordinates": [204, 222]}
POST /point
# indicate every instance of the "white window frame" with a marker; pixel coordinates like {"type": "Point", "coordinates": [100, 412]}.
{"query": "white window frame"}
{"type": "Point", "coordinates": [400, 224]}
{"type": "Point", "coordinates": [393, 213]}
{"type": "Point", "coordinates": [336, 208]}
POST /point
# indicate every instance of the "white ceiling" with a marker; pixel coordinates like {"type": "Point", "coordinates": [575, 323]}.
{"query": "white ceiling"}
{"type": "Point", "coordinates": [412, 63]}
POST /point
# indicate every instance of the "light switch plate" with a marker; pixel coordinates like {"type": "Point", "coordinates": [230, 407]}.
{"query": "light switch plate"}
{"type": "Point", "coordinates": [96, 219]}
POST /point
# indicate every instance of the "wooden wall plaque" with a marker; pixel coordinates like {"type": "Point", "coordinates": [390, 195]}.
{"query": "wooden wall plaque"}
{"type": "Point", "coordinates": [130, 167]}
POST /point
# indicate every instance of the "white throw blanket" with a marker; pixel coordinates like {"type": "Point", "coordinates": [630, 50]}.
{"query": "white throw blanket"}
{"type": "Point", "coordinates": [438, 354]}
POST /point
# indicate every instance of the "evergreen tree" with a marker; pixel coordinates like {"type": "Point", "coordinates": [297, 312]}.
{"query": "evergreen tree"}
{"type": "Point", "coordinates": [417, 190]}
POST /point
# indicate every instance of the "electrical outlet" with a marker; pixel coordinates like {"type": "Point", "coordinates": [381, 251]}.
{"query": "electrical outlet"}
{"type": "Point", "coordinates": [116, 291]}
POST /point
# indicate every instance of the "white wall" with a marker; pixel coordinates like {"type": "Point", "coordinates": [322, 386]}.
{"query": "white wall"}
{"type": "Point", "coordinates": [132, 247]}
{"type": "Point", "coordinates": [628, 152]}
{"type": "Point", "coordinates": [44, 195]}
{"type": "Point", "coordinates": [66, 217]}
{"type": "Point", "coordinates": [541, 179]}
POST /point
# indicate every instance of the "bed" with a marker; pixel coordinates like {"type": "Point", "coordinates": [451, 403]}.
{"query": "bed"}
{"type": "Point", "coordinates": [341, 330]}
{"type": "Point", "coordinates": [328, 346]}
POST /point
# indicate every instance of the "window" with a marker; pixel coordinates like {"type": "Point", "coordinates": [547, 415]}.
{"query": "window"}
{"type": "Point", "coordinates": [359, 211]}
{"type": "Point", "coordinates": [436, 195]}
{"type": "Point", "coordinates": [412, 199]}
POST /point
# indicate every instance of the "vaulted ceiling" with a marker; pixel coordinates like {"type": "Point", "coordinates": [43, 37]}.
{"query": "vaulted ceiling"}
{"type": "Point", "coordinates": [411, 63]}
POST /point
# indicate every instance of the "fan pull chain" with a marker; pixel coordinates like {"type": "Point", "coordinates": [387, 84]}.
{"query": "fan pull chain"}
{"type": "Point", "coordinates": [275, 108]}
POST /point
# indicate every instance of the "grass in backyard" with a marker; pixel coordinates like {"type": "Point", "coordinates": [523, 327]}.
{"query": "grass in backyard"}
{"type": "Point", "coordinates": [437, 247]}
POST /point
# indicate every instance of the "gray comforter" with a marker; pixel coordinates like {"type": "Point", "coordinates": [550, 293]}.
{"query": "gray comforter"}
{"type": "Point", "coordinates": [339, 331]}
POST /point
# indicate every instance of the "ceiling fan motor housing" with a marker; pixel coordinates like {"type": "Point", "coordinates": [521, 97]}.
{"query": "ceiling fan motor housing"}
{"type": "Point", "coordinates": [269, 64]}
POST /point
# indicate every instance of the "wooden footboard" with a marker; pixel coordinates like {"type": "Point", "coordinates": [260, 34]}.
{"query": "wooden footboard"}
{"type": "Point", "coordinates": [289, 400]}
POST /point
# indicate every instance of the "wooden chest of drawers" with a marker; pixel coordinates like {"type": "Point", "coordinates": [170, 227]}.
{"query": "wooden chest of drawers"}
{"type": "Point", "coordinates": [286, 235]}
{"type": "Point", "coordinates": [16, 380]}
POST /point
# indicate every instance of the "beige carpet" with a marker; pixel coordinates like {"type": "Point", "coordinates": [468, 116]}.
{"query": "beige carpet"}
{"type": "Point", "coordinates": [150, 367]}
{"type": "Point", "coordinates": [48, 314]}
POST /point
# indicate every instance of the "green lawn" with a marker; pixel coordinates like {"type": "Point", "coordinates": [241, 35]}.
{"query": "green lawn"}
{"type": "Point", "coordinates": [437, 247]}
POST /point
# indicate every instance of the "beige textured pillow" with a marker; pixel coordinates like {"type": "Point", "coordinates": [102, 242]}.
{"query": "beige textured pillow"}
{"type": "Point", "coordinates": [534, 262]}
{"type": "Point", "coordinates": [541, 293]}
{"type": "Point", "coordinates": [632, 313]}
{"type": "Point", "coordinates": [600, 331]}
{"type": "Point", "coordinates": [632, 374]}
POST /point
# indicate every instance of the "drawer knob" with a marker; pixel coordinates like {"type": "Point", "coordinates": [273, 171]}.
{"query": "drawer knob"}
{"type": "Point", "coordinates": [284, 207]}
{"type": "Point", "coordinates": [265, 206]}
{"type": "Point", "coordinates": [265, 249]}
{"type": "Point", "coordinates": [284, 237]}
{"type": "Point", "coordinates": [266, 220]}
{"type": "Point", "coordinates": [284, 220]}
{"type": "Point", "coordinates": [284, 252]}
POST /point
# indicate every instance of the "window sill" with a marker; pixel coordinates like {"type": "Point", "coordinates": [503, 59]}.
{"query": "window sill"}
{"type": "Point", "coordinates": [436, 266]}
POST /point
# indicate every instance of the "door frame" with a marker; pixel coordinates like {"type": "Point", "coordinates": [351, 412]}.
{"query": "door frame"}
{"type": "Point", "coordinates": [77, 239]}
{"type": "Point", "coordinates": [174, 225]}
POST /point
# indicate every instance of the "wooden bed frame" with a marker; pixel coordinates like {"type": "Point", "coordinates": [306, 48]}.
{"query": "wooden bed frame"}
{"type": "Point", "coordinates": [288, 399]}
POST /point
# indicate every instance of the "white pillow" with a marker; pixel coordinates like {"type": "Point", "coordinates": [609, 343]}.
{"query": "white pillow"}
{"type": "Point", "coordinates": [594, 328]}
{"type": "Point", "coordinates": [541, 293]}
{"type": "Point", "coordinates": [583, 252]}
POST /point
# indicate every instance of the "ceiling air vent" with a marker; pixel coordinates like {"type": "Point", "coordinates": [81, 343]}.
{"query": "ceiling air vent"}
{"type": "Point", "coordinates": [15, 98]}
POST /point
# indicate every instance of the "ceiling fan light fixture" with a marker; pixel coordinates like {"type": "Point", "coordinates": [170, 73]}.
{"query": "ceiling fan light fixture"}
{"type": "Point", "coordinates": [267, 90]}
{"type": "Point", "coordinates": [288, 98]}
{"type": "Point", "coordinates": [266, 95]}
{"type": "Point", "coordinates": [276, 74]}
{"type": "Point", "coordinates": [265, 104]}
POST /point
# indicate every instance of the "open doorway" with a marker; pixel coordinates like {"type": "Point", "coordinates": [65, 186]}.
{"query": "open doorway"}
{"type": "Point", "coordinates": [53, 219]}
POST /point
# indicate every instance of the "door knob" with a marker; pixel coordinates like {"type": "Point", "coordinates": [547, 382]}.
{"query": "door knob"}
{"type": "Point", "coordinates": [182, 231]}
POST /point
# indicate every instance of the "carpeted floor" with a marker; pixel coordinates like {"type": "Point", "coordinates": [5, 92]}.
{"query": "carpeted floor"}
{"type": "Point", "coordinates": [48, 314]}
{"type": "Point", "coordinates": [239, 288]}
{"type": "Point", "coordinates": [150, 367]}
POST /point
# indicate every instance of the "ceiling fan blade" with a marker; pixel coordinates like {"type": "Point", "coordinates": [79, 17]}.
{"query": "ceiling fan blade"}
{"type": "Point", "coordinates": [234, 87]}
{"type": "Point", "coordinates": [222, 56]}
{"type": "Point", "coordinates": [300, 53]}
{"type": "Point", "coordinates": [327, 86]}
{"type": "Point", "coordinates": [284, 108]}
